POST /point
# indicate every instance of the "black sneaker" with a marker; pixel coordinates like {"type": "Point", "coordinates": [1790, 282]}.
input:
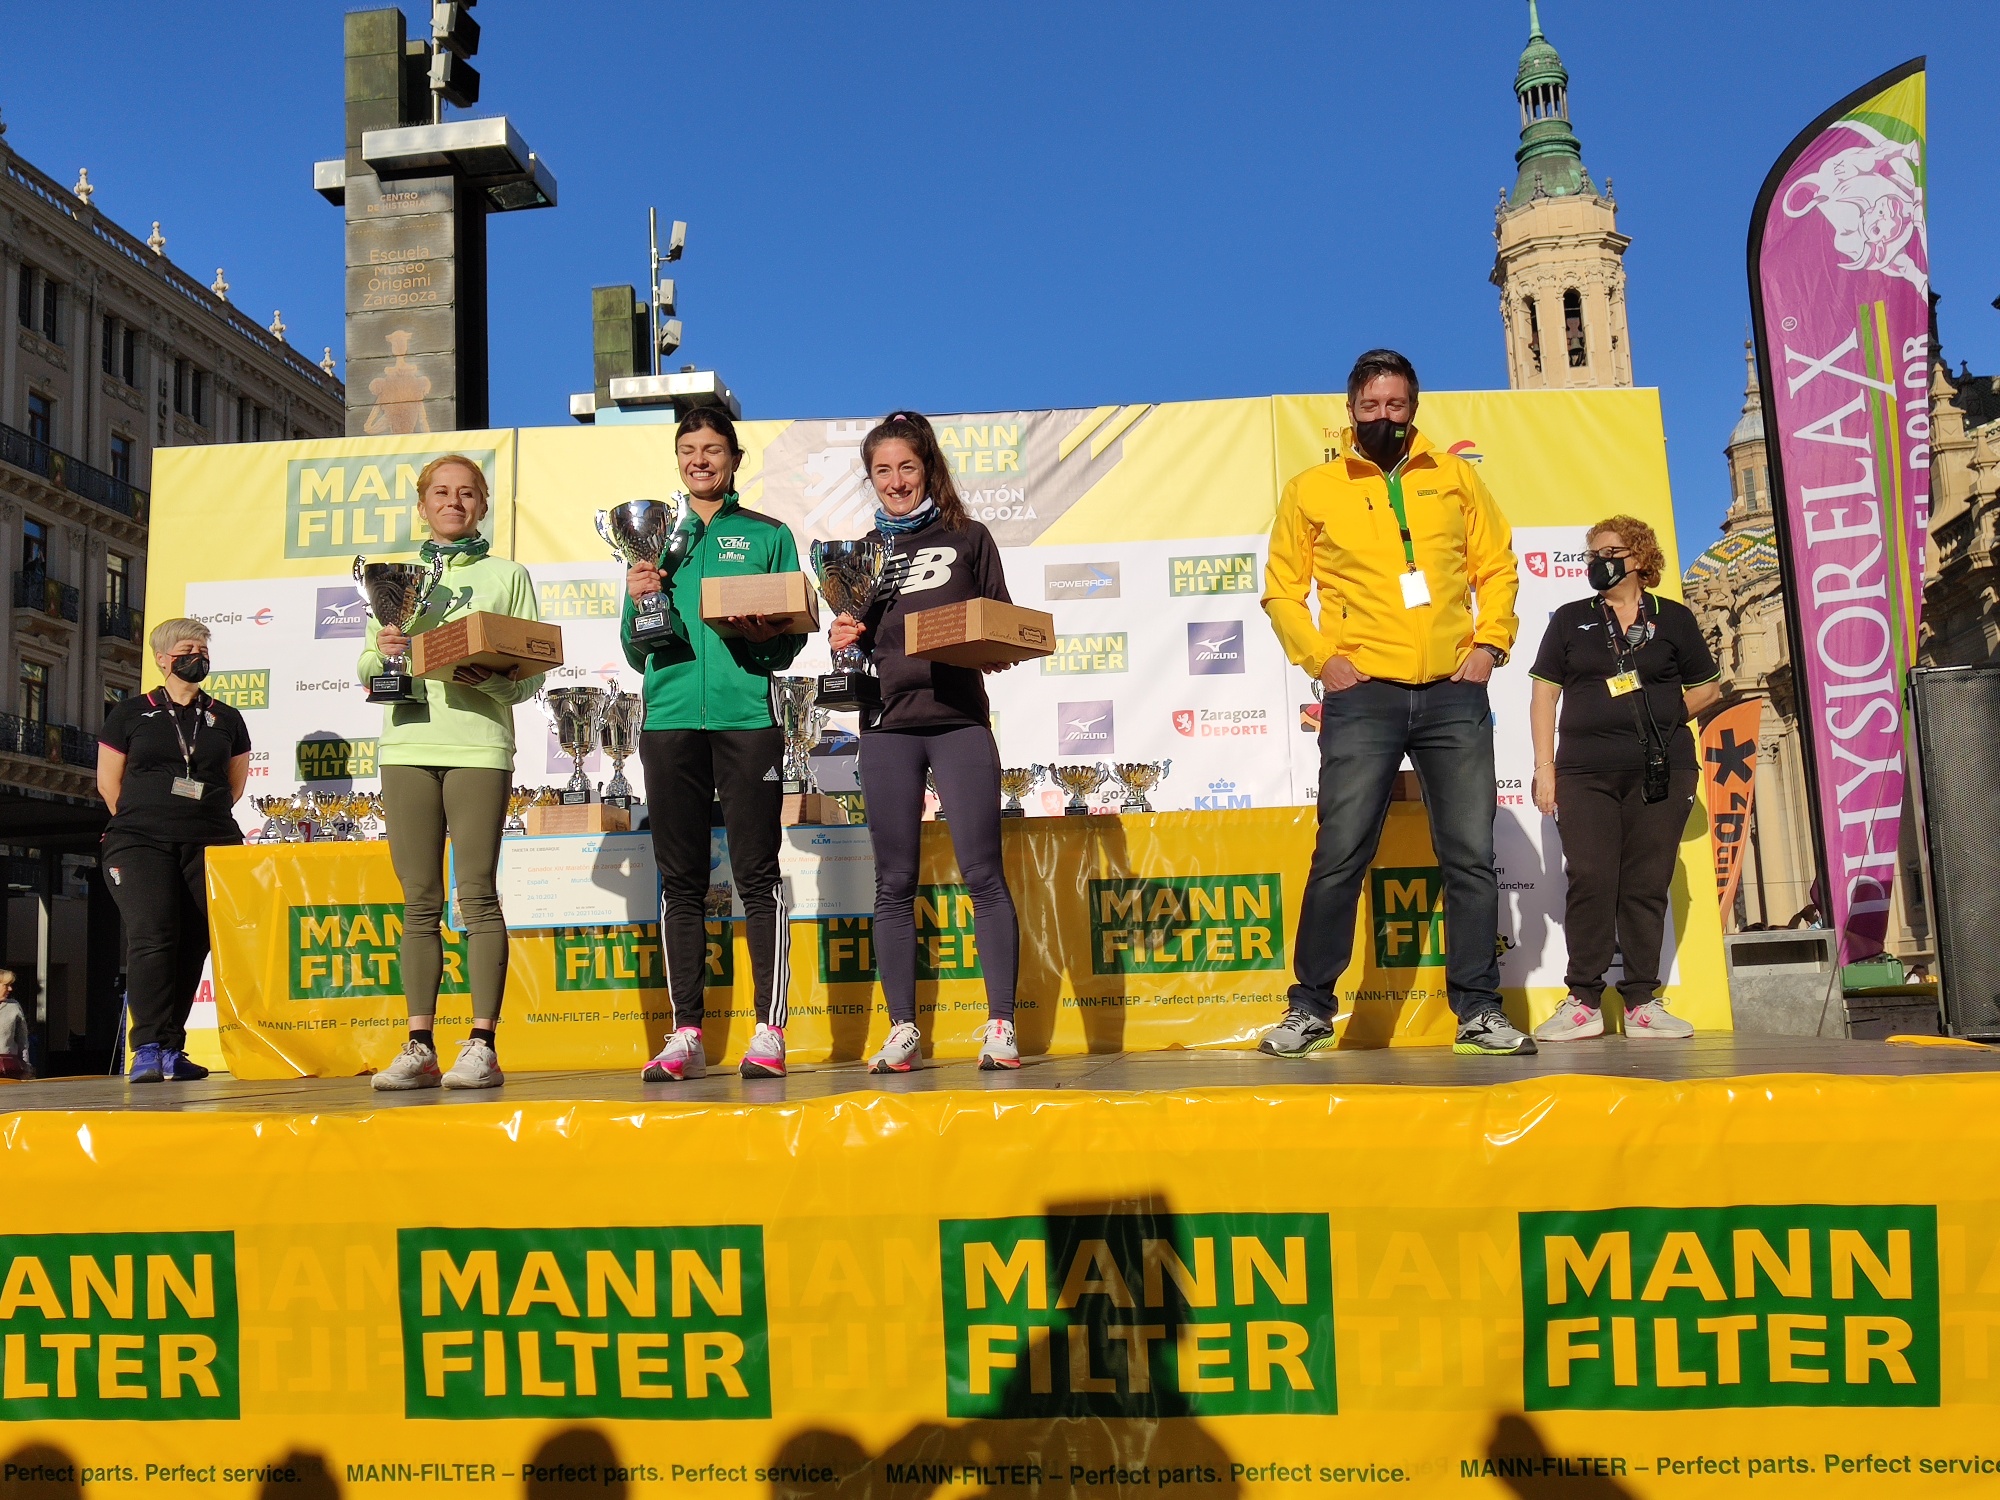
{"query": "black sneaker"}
{"type": "Point", "coordinates": [1491, 1033]}
{"type": "Point", "coordinates": [178, 1067]}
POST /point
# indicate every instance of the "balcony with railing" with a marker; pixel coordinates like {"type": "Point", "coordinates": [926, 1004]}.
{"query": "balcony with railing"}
{"type": "Point", "coordinates": [41, 601]}
{"type": "Point", "coordinates": [73, 474]}
{"type": "Point", "coordinates": [58, 744]}
{"type": "Point", "coordinates": [119, 622]}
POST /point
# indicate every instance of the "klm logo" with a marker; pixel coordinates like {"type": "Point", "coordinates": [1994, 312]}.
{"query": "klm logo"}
{"type": "Point", "coordinates": [1222, 795]}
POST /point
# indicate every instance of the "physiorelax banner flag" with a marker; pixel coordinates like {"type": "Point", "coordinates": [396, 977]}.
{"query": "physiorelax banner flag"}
{"type": "Point", "coordinates": [1839, 290]}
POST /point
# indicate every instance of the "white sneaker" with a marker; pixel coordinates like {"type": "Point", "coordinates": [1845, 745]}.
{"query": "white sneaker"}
{"type": "Point", "coordinates": [902, 1052]}
{"type": "Point", "coordinates": [1572, 1022]}
{"type": "Point", "coordinates": [1653, 1019]}
{"type": "Point", "coordinates": [997, 1048]}
{"type": "Point", "coordinates": [682, 1058]}
{"type": "Point", "coordinates": [477, 1067]}
{"type": "Point", "coordinates": [765, 1056]}
{"type": "Point", "coordinates": [415, 1067]}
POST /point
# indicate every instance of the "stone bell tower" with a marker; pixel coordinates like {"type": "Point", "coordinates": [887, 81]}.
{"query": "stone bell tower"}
{"type": "Point", "coordinates": [1561, 266]}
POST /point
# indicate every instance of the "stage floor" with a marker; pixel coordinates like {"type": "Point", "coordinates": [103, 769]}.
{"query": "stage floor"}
{"type": "Point", "coordinates": [1706, 1058]}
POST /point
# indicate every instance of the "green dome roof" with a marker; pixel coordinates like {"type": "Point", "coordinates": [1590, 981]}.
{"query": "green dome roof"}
{"type": "Point", "coordinates": [1744, 553]}
{"type": "Point", "coordinates": [1550, 156]}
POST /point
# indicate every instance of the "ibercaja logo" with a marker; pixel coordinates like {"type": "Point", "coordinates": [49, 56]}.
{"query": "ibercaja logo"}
{"type": "Point", "coordinates": [1150, 1315]}
{"type": "Point", "coordinates": [1644, 1309]}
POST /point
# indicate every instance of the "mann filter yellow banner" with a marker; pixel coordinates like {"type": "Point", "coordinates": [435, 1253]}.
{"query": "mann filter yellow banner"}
{"type": "Point", "coordinates": [1568, 1285]}
{"type": "Point", "coordinates": [1170, 930]}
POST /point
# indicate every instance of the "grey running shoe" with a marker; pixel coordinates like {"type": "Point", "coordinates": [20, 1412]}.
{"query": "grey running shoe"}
{"type": "Point", "coordinates": [1489, 1031]}
{"type": "Point", "coordinates": [765, 1056]}
{"type": "Point", "coordinates": [902, 1052]}
{"type": "Point", "coordinates": [1653, 1019]}
{"type": "Point", "coordinates": [680, 1059]}
{"type": "Point", "coordinates": [1300, 1033]}
{"type": "Point", "coordinates": [1572, 1022]}
{"type": "Point", "coordinates": [997, 1048]}
{"type": "Point", "coordinates": [415, 1067]}
{"type": "Point", "coordinates": [477, 1067]}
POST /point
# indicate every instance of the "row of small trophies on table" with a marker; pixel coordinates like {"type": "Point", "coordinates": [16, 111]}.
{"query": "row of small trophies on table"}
{"type": "Point", "coordinates": [310, 816]}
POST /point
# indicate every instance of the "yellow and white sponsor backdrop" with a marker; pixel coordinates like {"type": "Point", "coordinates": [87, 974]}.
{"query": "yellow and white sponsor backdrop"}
{"type": "Point", "coordinates": [1142, 528]}
{"type": "Point", "coordinates": [1143, 932]}
{"type": "Point", "coordinates": [1640, 1289]}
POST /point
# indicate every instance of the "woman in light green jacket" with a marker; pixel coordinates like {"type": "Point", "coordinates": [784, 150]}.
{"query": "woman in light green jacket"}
{"type": "Point", "coordinates": [447, 763]}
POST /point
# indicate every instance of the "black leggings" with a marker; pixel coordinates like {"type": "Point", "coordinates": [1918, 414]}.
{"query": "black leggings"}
{"type": "Point", "coordinates": [686, 770]}
{"type": "Point", "coordinates": [1618, 853]}
{"type": "Point", "coordinates": [162, 896]}
{"type": "Point", "coordinates": [966, 764]}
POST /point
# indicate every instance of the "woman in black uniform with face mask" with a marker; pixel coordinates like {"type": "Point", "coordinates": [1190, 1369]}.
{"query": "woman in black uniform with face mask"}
{"type": "Point", "coordinates": [1629, 669]}
{"type": "Point", "coordinates": [170, 766]}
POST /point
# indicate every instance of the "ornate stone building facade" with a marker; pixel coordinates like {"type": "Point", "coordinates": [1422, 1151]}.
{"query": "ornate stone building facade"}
{"type": "Point", "coordinates": [108, 351]}
{"type": "Point", "coordinates": [1561, 261]}
{"type": "Point", "coordinates": [1961, 625]}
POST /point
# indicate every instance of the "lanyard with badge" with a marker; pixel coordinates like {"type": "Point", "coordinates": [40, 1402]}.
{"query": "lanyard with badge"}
{"type": "Point", "coordinates": [186, 785]}
{"type": "Point", "coordinates": [1416, 587]}
{"type": "Point", "coordinates": [1625, 647]}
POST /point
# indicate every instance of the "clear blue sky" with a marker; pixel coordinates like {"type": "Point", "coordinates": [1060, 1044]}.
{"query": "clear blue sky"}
{"type": "Point", "coordinates": [970, 206]}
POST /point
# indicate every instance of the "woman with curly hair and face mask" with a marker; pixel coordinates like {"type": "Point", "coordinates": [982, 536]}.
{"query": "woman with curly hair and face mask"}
{"type": "Point", "coordinates": [1628, 669]}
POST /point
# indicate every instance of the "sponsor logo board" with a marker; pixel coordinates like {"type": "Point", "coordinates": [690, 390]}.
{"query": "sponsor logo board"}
{"type": "Point", "coordinates": [334, 759]}
{"type": "Point", "coordinates": [344, 952]}
{"type": "Point", "coordinates": [1085, 655]}
{"type": "Point", "coordinates": [242, 689]}
{"type": "Point", "coordinates": [1084, 728]}
{"type": "Point", "coordinates": [1138, 1315]}
{"type": "Point", "coordinates": [1061, 581]}
{"type": "Point", "coordinates": [580, 598]}
{"type": "Point", "coordinates": [946, 946]}
{"type": "Point", "coordinates": [1187, 924]}
{"type": "Point", "coordinates": [1212, 573]}
{"type": "Point", "coordinates": [1215, 648]}
{"type": "Point", "coordinates": [1407, 905]}
{"type": "Point", "coordinates": [359, 502]}
{"type": "Point", "coordinates": [340, 614]}
{"type": "Point", "coordinates": [628, 958]}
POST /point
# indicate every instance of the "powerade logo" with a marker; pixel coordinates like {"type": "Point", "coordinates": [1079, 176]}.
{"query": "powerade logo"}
{"type": "Point", "coordinates": [580, 599]}
{"type": "Point", "coordinates": [355, 951]}
{"type": "Point", "coordinates": [1137, 1315]}
{"type": "Point", "coordinates": [1212, 573]}
{"type": "Point", "coordinates": [341, 614]}
{"type": "Point", "coordinates": [120, 1327]}
{"type": "Point", "coordinates": [1187, 924]}
{"type": "Point", "coordinates": [946, 947]}
{"type": "Point", "coordinates": [1650, 1309]}
{"type": "Point", "coordinates": [1215, 648]}
{"type": "Point", "coordinates": [655, 1323]}
{"type": "Point", "coordinates": [1408, 910]}
{"type": "Point", "coordinates": [362, 502]}
{"type": "Point", "coordinates": [241, 690]}
{"type": "Point", "coordinates": [1221, 796]}
{"type": "Point", "coordinates": [1084, 728]}
{"type": "Point", "coordinates": [1080, 580]}
{"type": "Point", "coordinates": [1082, 655]}
{"type": "Point", "coordinates": [335, 760]}
{"type": "Point", "coordinates": [628, 958]}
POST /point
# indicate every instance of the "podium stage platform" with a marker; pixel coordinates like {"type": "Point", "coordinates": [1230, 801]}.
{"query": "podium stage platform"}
{"type": "Point", "coordinates": [1614, 1269]}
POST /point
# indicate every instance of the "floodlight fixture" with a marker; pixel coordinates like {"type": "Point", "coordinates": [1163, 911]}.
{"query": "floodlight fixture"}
{"type": "Point", "coordinates": [663, 297]}
{"type": "Point", "coordinates": [670, 336]}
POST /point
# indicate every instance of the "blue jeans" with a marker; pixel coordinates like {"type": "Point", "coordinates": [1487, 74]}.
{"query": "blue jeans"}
{"type": "Point", "coordinates": [1447, 731]}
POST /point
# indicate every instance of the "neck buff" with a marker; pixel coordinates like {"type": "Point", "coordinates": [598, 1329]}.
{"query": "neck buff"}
{"type": "Point", "coordinates": [916, 520]}
{"type": "Point", "coordinates": [470, 548]}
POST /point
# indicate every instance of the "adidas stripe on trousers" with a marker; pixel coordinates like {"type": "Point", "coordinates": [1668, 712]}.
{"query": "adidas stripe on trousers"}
{"type": "Point", "coordinates": [686, 771]}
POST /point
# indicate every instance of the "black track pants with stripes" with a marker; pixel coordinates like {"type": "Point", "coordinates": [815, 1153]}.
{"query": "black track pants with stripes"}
{"type": "Point", "coordinates": [686, 770]}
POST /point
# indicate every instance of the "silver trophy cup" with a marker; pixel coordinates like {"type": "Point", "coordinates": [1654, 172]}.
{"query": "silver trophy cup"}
{"type": "Point", "coordinates": [396, 594]}
{"type": "Point", "coordinates": [1138, 778]}
{"type": "Point", "coordinates": [1079, 781]}
{"type": "Point", "coordinates": [800, 719]}
{"type": "Point", "coordinates": [577, 714]}
{"type": "Point", "coordinates": [849, 575]}
{"type": "Point", "coordinates": [624, 718]}
{"type": "Point", "coordinates": [647, 532]}
{"type": "Point", "coordinates": [1017, 782]}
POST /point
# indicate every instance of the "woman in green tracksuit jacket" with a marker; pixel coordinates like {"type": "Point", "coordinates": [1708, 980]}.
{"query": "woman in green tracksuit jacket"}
{"type": "Point", "coordinates": [446, 766]}
{"type": "Point", "coordinates": [709, 732]}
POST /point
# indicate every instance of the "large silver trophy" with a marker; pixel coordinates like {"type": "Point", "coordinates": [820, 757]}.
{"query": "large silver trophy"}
{"type": "Point", "coordinates": [1138, 778]}
{"type": "Point", "coordinates": [396, 594]}
{"type": "Point", "coordinates": [647, 532]}
{"type": "Point", "coordinates": [1079, 781]}
{"type": "Point", "coordinates": [624, 718]}
{"type": "Point", "coordinates": [1017, 782]}
{"type": "Point", "coordinates": [800, 720]}
{"type": "Point", "coordinates": [577, 714]}
{"type": "Point", "coordinates": [849, 576]}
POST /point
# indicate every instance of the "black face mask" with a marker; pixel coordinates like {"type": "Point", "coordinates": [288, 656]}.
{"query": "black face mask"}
{"type": "Point", "coordinates": [1606, 572]}
{"type": "Point", "coordinates": [1382, 440]}
{"type": "Point", "coordinates": [190, 668]}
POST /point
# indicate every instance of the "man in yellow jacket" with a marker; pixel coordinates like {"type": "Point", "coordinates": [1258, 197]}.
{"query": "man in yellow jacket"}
{"type": "Point", "coordinates": [1414, 567]}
